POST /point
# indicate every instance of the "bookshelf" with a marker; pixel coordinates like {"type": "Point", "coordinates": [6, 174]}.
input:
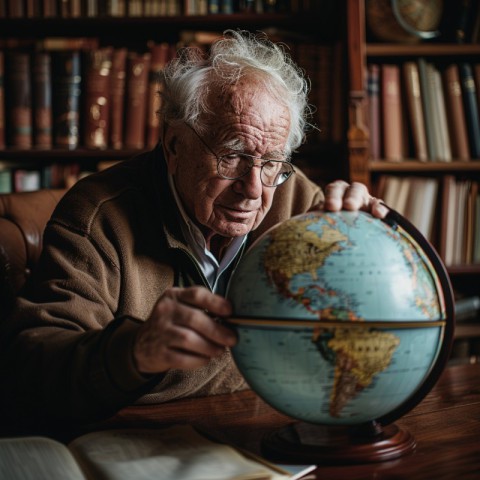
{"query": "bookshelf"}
{"type": "Point", "coordinates": [319, 25]}
{"type": "Point", "coordinates": [365, 166]}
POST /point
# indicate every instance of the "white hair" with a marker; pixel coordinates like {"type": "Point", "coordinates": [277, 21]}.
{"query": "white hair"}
{"type": "Point", "coordinates": [187, 80]}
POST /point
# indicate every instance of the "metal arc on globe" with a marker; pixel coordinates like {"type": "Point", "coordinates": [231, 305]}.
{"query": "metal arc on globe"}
{"type": "Point", "coordinates": [342, 318]}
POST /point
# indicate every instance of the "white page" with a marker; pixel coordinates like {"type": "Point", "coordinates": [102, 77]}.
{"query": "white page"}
{"type": "Point", "coordinates": [168, 454]}
{"type": "Point", "coordinates": [36, 458]}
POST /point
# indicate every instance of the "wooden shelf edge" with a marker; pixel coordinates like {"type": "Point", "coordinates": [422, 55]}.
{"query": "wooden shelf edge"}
{"type": "Point", "coordinates": [426, 49]}
{"type": "Point", "coordinates": [417, 166]}
{"type": "Point", "coordinates": [470, 269]}
{"type": "Point", "coordinates": [59, 154]}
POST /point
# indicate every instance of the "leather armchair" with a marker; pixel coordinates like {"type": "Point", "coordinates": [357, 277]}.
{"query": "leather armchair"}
{"type": "Point", "coordinates": [23, 217]}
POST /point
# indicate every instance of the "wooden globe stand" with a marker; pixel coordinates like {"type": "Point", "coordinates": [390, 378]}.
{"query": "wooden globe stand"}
{"type": "Point", "coordinates": [308, 443]}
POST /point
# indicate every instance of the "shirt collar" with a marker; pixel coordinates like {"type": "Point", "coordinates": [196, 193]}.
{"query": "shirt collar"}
{"type": "Point", "coordinates": [209, 264]}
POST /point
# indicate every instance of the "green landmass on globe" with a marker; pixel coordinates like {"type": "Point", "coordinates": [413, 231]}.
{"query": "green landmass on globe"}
{"type": "Point", "coordinates": [340, 317]}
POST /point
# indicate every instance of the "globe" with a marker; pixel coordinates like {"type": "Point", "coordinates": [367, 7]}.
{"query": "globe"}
{"type": "Point", "coordinates": [343, 319]}
{"type": "Point", "coordinates": [403, 20]}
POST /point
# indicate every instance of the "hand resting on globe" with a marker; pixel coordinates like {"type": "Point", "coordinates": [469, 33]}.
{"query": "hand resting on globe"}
{"type": "Point", "coordinates": [340, 195]}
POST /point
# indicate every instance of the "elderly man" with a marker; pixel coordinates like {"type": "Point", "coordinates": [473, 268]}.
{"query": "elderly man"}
{"type": "Point", "coordinates": [136, 258]}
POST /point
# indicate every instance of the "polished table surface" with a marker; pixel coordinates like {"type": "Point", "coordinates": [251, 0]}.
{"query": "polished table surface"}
{"type": "Point", "coordinates": [445, 425]}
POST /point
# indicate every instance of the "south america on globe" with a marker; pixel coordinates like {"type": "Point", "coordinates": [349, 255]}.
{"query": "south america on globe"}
{"type": "Point", "coordinates": [341, 317]}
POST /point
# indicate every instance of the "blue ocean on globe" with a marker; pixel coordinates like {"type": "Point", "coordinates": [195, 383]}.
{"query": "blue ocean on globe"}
{"type": "Point", "coordinates": [340, 317]}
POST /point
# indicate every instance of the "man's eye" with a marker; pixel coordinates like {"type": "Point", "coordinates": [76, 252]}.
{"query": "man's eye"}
{"type": "Point", "coordinates": [232, 159]}
{"type": "Point", "coordinates": [271, 166]}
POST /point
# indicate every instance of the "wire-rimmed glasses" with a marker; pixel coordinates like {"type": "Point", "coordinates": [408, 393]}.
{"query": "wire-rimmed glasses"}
{"type": "Point", "coordinates": [235, 165]}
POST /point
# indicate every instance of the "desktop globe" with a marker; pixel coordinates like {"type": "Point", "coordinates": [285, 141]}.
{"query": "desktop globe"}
{"type": "Point", "coordinates": [344, 323]}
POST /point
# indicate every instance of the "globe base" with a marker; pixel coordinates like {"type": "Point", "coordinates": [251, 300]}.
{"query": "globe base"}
{"type": "Point", "coordinates": [309, 443]}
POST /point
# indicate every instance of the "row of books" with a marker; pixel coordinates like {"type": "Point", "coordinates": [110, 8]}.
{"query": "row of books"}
{"type": "Point", "coordinates": [146, 8]}
{"type": "Point", "coordinates": [446, 211]}
{"type": "Point", "coordinates": [102, 98]}
{"type": "Point", "coordinates": [105, 97]}
{"type": "Point", "coordinates": [424, 110]}
{"type": "Point", "coordinates": [30, 177]}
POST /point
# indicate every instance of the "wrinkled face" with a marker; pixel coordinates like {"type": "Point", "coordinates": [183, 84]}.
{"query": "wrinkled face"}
{"type": "Point", "coordinates": [247, 119]}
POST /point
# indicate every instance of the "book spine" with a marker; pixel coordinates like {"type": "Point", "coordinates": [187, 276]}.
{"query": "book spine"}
{"type": "Point", "coordinates": [19, 100]}
{"type": "Point", "coordinates": [117, 96]}
{"type": "Point", "coordinates": [228, 6]}
{"type": "Point", "coordinates": [50, 8]}
{"type": "Point", "coordinates": [6, 180]}
{"type": "Point", "coordinates": [42, 100]}
{"type": "Point", "coordinates": [471, 108]}
{"type": "Point", "coordinates": [391, 112]}
{"type": "Point", "coordinates": [448, 219]}
{"type": "Point", "coordinates": [415, 109]}
{"type": "Point", "coordinates": [213, 6]}
{"type": "Point", "coordinates": [456, 114]}
{"type": "Point", "coordinates": [138, 66]}
{"type": "Point", "coordinates": [443, 135]}
{"type": "Point", "coordinates": [373, 91]}
{"type": "Point", "coordinates": [15, 9]}
{"type": "Point", "coordinates": [435, 107]}
{"type": "Point", "coordinates": [159, 57]}
{"type": "Point", "coordinates": [97, 101]}
{"type": "Point", "coordinates": [427, 102]}
{"type": "Point", "coordinates": [66, 87]}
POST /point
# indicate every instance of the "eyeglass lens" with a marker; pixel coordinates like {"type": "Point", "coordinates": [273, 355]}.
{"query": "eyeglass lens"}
{"type": "Point", "coordinates": [272, 172]}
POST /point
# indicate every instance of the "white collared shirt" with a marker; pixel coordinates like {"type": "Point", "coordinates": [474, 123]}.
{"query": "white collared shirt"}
{"type": "Point", "coordinates": [214, 271]}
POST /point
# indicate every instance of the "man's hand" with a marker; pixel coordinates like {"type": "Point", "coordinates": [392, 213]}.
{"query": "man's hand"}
{"type": "Point", "coordinates": [340, 195]}
{"type": "Point", "coordinates": [182, 332]}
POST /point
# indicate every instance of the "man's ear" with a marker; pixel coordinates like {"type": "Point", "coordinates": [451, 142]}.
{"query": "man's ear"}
{"type": "Point", "coordinates": [169, 144]}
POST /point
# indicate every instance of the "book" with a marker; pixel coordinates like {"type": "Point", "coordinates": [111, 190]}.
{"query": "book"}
{"type": "Point", "coordinates": [444, 149]}
{"type": "Point", "coordinates": [391, 112]}
{"type": "Point", "coordinates": [26, 180]}
{"type": "Point", "coordinates": [469, 96]}
{"type": "Point", "coordinates": [415, 110]}
{"type": "Point", "coordinates": [172, 453]}
{"type": "Point", "coordinates": [442, 153]}
{"type": "Point", "coordinates": [448, 209]}
{"type": "Point", "coordinates": [456, 114]}
{"type": "Point", "coordinates": [460, 222]}
{"type": "Point", "coordinates": [15, 9]}
{"type": "Point", "coordinates": [467, 308]}
{"type": "Point", "coordinates": [403, 193]}
{"type": "Point", "coordinates": [66, 87]}
{"type": "Point", "coordinates": [427, 102]}
{"type": "Point", "coordinates": [98, 65]}
{"type": "Point", "coordinates": [5, 180]}
{"type": "Point", "coordinates": [138, 66]}
{"type": "Point", "coordinates": [421, 204]}
{"type": "Point", "coordinates": [18, 96]}
{"type": "Point", "coordinates": [50, 8]}
{"type": "Point", "coordinates": [470, 218]}
{"type": "Point", "coordinates": [117, 94]}
{"type": "Point", "coordinates": [390, 189]}
{"type": "Point", "coordinates": [160, 54]}
{"type": "Point", "coordinates": [67, 43]}
{"type": "Point", "coordinates": [42, 100]}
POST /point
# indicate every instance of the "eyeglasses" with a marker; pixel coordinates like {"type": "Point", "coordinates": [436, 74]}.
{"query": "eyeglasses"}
{"type": "Point", "coordinates": [235, 165]}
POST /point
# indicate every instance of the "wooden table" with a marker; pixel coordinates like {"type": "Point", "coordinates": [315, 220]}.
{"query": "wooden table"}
{"type": "Point", "coordinates": [446, 426]}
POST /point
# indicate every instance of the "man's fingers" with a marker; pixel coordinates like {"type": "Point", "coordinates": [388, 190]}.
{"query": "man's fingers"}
{"type": "Point", "coordinates": [355, 196]}
{"type": "Point", "coordinates": [334, 193]}
{"type": "Point", "coordinates": [201, 298]}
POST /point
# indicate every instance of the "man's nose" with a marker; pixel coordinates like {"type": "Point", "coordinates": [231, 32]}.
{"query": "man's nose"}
{"type": "Point", "coordinates": [250, 185]}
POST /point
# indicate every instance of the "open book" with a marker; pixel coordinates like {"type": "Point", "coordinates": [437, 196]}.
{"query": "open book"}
{"type": "Point", "coordinates": [173, 453]}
